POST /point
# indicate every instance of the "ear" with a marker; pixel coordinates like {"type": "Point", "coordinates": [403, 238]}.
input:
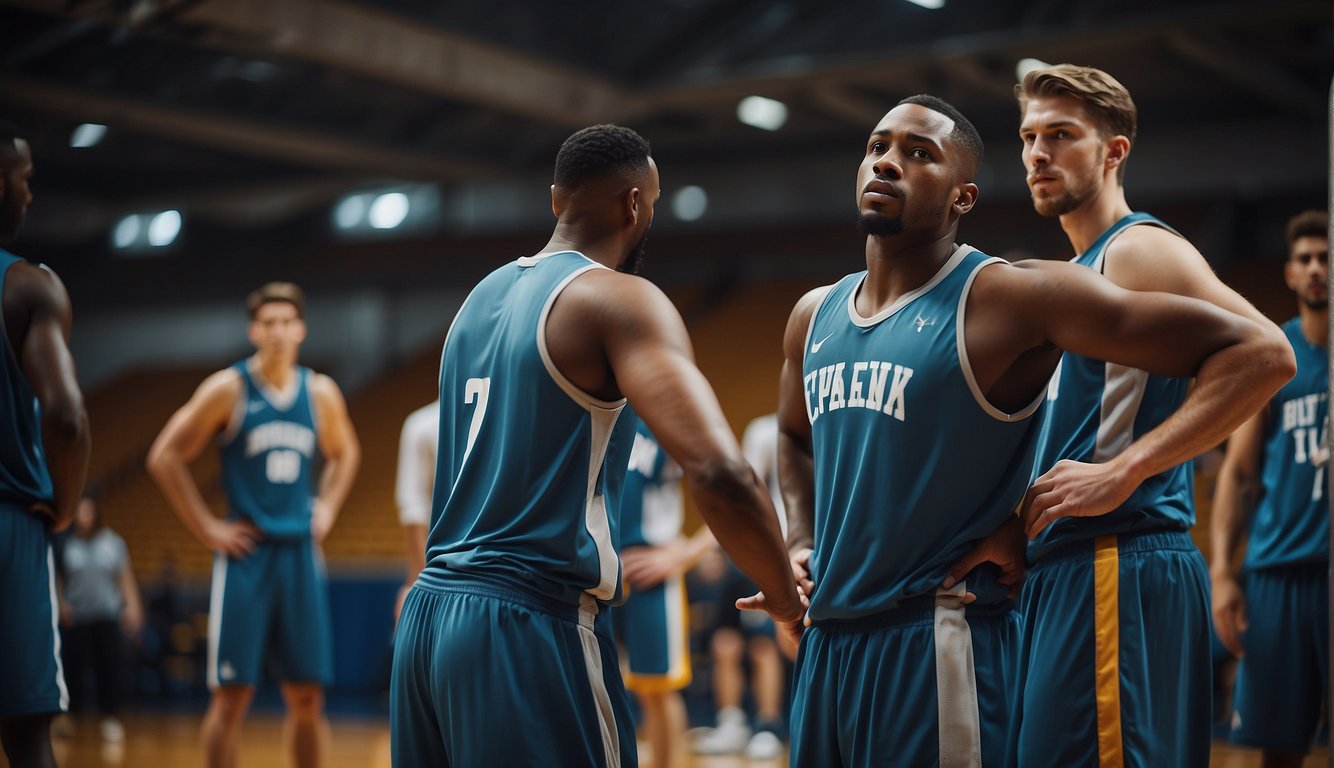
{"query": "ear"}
{"type": "Point", "coordinates": [557, 203]}
{"type": "Point", "coordinates": [1118, 149]}
{"type": "Point", "coordinates": [1292, 275]}
{"type": "Point", "coordinates": [301, 331]}
{"type": "Point", "coordinates": [252, 334]}
{"type": "Point", "coordinates": [632, 205]}
{"type": "Point", "coordinates": [966, 199]}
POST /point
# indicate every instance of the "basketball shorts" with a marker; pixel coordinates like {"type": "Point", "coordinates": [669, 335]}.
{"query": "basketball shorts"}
{"type": "Point", "coordinates": [32, 681]}
{"type": "Point", "coordinates": [272, 604]}
{"type": "Point", "coordinates": [1283, 679]}
{"type": "Point", "coordinates": [930, 683]}
{"type": "Point", "coordinates": [1115, 655]}
{"type": "Point", "coordinates": [654, 630]}
{"type": "Point", "coordinates": [485, 674]}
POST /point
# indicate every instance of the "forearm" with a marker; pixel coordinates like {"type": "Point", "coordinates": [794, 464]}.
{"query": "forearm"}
{"type": "Point", "coordinates": [415, 536]}
{"type": "Point", "coordinates": [797, 479]}
{"type": "Point", "coordinates": [1230, 508]}
{"type": "Point", "coordinates": [336, 480]}
{"type": "Point", "coordinates": [173, 478]}
{"type": "Point", "coordinates": [66, 442]}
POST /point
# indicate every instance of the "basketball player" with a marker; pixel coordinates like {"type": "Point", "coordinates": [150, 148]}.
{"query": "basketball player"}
{"type": "Point", "coordinates": [1116, 606]}
{"type": "Point", "coordinates": [412, 487]}
{"type": "Point", "coordinates": [653, 621]}
{"type": "Point", "coordinates": [269, 417]}
{"type": "Point", "coordinates": [44, 446]}
{"type": "Point", "coordinates": [908, 411]}
{"type": "Point", "coordinates": [1276, 464]}
{"type": "Point", "coordinates": [503, 654]}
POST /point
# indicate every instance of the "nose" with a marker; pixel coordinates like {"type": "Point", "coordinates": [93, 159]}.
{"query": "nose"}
{"type": "Point", "coordinates": [888, 166]}
{"type": "Point", "coordinates": [1038, 153]}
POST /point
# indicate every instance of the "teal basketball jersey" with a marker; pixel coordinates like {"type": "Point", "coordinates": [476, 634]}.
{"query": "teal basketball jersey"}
{"type": "Point", "coordinates": [523, 468]}
{"type": "Point", "coordinates": [912, 464]}
{"type": "Point", "coordinates": [651, 507]}
{"type": "Point", "coordinates": [1291, 521]}
{"type": "Point", "coordinates": [24, 478]}
{"type": "Point", "coordinates": [1095, 410]}
{"type": "Point", "coordinates": [268, 452]}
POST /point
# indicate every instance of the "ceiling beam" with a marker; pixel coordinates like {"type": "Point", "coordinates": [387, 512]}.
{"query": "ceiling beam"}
{"type": "Point", "coordinates": [1261, 77]}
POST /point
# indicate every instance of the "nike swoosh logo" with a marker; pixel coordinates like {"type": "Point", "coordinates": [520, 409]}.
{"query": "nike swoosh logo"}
{"type": "Point", "coordinates": [815, 348]}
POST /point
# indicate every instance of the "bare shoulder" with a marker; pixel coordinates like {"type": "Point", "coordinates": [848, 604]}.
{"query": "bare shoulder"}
{"type": "Point", "coordinates": [219, 386]}
{"type": "Point", "coordinates": [805, 307]}
{"type": "Point", "coordinates": [1022, 283]}
{"type": "Point", "coordinates": [608, 295]}
{"type": "Point", "coordinates": [1149, 258]}
{"type": "Point", "coordinates": [37, 288]}
{"type": "Point", "coordinates": [323, 386]}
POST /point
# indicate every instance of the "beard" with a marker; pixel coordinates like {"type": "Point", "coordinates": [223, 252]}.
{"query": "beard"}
{"type": "Point", "coordinates": [1059, 206]}
{"type": "Point", "coordinates": [11, 220]}
{"type": "Point", "coordinates": [873, 224]}
{"type": "Point", "coordinates": [1315, 303]}
{"type": "Point", "coordinates": [635, 259]}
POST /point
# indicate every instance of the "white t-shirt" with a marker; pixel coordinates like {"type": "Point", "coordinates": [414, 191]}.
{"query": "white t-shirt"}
{"type": "Point", "coordinates": [416, 465]}
{"type": "Point", "coordinates": [760, 445]}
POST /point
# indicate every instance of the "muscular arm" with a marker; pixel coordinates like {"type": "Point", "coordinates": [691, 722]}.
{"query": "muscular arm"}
{"type": "Point", "coordinates": [648, 357]}
{"type": "Point", "coordinates": [49, 369]}
{"type": "Point", "coordinates": [181, 441]}
{"type": "Point", "coordinates": [342, 455]}
{"type": "Point", "coordinates": [1234, 499]}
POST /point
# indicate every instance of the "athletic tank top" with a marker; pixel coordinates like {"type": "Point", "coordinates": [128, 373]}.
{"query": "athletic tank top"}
{"type": "Point", "coordinates": [523, 465]}
{"type": "Point", "coordinates": [1095, 410]}
{"type": "Point", "coordinates": [268, 456]}
{"type": "Point", "coordinates": [651, 506]}
{"type": "Point", "coordinates": [912, 464]}
{"type": "Point", "coordinates": [1291, 522]}
{"type": "Point", "coordinates": [24, 478]}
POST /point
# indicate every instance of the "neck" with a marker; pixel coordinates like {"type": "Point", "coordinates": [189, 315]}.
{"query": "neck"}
{"type": "Point", "coordinates": [275, 370]}
{"type": "Point", "coordinates": [898, 264]}
{"type": "Point", "coordinates": [606, 248]}
{"type": "Point", "coordinates": [1084, 225]}
{"type": "Point", "coordinates": [1315, 324]}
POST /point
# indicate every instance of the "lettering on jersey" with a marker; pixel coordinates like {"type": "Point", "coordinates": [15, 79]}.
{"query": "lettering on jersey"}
{"type": "Point", "coordinates": [834, 387]}
{"type": "Point", "coordinates": [1309, 435]}
{"type": "Point", "coordinates": [280, 435]}
{"type": "Point", "coordinates": [643, 455]}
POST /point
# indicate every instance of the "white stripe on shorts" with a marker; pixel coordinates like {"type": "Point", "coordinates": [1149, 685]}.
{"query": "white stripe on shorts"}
{"type": "Point", "coordinates": [611, 743]}
{"type": "Point", "coordinates": [55, 628]}
{"type": "Point", "coordinates": [956, 683]}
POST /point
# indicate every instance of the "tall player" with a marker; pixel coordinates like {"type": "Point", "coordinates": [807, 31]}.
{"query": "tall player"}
{"type": "Point", "coordinates": [44, 446]}
{"type": "Point", "coordinates": [1276, 464]}
{"type": "Point", "coordinates": [503, 654]}
{"type": "Point", "coordinates": [270, 417]}
{"type": "Point", "coordinates": [908, 408]}
{"type": "Point", "coordinates": [1116, 606]}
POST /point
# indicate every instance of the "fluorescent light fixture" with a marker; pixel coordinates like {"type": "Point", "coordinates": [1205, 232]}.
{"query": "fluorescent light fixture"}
{"type": "Point", "coordinates": [767, 114]}
{"type": "Point", "coordinates": [1025, 66]}
{"type": "Point", "coordinates": [932, 4]}
{"type": "Point", "coordinates": [87, 135]}
{"type": "Point", "coordinates": [164, 228]}
{"type": "Point", "coordinates": [388, 210]}
{"type": "Point", "coordinates": [127, 231]}
{"type": "Point", "coordinates": [690, 203]}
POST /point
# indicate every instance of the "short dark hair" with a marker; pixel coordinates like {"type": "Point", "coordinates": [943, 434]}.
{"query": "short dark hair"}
{"type": "Point", "coordinates": [271, 292]}
{"type": "Point", "coordinates": [1312, 223]}
{"type": "Point", "coordinates": [965, 133]}
{"type": "Point", "coordinates": [599, 151]}
{"type": "Point", "coordinates": [9, 135]}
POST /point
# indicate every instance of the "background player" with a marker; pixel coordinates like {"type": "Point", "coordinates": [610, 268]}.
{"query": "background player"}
{"type": "Point", "coordinates": [1113, 565]}
{"type": "Point", "coordinates": [1276, 464]}
{"type": "Point", "coordinates": [521, 556]}
{"type": "Point", "coordinates": [270, 416]}
{"type": "Point", "coordinates": [908, 432]}
{"type": "Point", "coordinates": [413, 484]}
{"type": "Point", "coordinates": [44, 445]}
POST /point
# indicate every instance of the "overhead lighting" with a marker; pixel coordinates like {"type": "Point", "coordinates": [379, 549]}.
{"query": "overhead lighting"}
{"type": "Point", "coordinates": [690, 203]}
{"type": "Point", "coordinates": [388, 211]}
{"type": "Point", "coordinates": [164, 228]}
{"type": "Point", "coordinates": [1025, 66]}
{"type": "Point", "coordinates": [766, 114]}
{"type": "Point", "coordinates": [351, 211]}
{"type": "Point", "coordinates": [126, 232]}
{"type": "Point", "coordinates": [934, 5]}
{"type": "Point", "coordinates": [87, 135]}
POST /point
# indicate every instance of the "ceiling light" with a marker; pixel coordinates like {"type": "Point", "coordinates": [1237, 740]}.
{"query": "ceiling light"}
{"type": "Point", "coordinates": [932, 4]}
{"type": "Point", "coordinates": [87, 135]}
{"type": "Point", "coordinates": [690, 203]}
{"type": "Point", "coordinates": [768, 114]}
{"type": "Point", "coordinates": [164, 228]}
{"type": "Point", "coordinates": [388, 210]}
{"type": "Point", "coordinates": [1025, 66]}
{"type": "Point", "coordinates": [126, 232]}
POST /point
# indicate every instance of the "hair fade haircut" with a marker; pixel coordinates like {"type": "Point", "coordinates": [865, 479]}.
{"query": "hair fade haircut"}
{"type": "Point", "coordinates": [964, 134]}
{"type": "Point", "coordinates": [1312, 223]}
{"type": "Point", "coordinates": [1107, 102]}
{"type": "Point", "coordinates": [598, 152]}
{"type": "Point", "coordinates": [271, 292]}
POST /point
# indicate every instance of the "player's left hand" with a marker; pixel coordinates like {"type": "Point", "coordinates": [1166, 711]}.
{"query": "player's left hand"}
{"type": "Point", "coordinates": [56, 523]}
{"type": "Point", "coordinates": [789, 630]}
{"type": "Point", "coordinates": [1074, 489]}
{"type": "Point", "coordinates": [645, 567]}
{"type": "Point", "coordinates": [321, 521]}
{"type": "Point", "coordinates": [1004, 547]}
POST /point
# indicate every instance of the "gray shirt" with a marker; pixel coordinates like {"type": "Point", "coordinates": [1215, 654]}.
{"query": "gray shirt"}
{"type": "Point", "coordinates": [92, 576]}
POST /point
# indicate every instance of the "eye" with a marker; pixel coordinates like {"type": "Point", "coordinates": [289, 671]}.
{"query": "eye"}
{"type": "Point", "coordinates": [1027, 138]}
{"type": "Point", "coordinates": [1062, 134]}
{"type": "Point", "coordinates": [920, 154]}
{"type": "Point", "coordinates": [877, 147]}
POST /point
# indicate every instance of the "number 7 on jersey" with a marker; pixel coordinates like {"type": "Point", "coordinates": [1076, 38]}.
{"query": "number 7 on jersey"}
{"type": "Point", "coordinates": [479, 391]}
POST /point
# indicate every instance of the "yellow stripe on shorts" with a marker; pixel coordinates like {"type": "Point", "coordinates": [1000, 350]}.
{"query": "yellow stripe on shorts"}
{"type": "Point", "coordinates": [1107, 649]}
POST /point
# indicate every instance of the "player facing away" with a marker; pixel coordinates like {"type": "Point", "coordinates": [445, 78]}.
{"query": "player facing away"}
{"type": "Point", "coordinates": [1274, 477]}
{"type": "Point", "coordinates": [908, 410]}
{"type": "Point", "coordinates": [270, 417]}
{"type": "Point", "coordinates": [503, 654]}
{"type": "Point", "coordinates": [44, 445]}
{"type": "Point", "coordinates": [1116, 606]}
{"type": "Point", "coordinates": [414, 480]}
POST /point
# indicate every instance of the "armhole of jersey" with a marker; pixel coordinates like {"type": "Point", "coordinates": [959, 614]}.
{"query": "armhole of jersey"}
{"type": "Point", "coordinates": [584, 399]}
{"type": "Point", "coordinates": [1100, 262]}
{"type": "Point", "coordinates": [4, 331]}
{"type": "Point", "coordinates": [961, 345]}
{"type": "Point", "coordinates": [233, 427]}
{"type": "Point", "coordinates": [314, 407]}
{"type": "Point", "coordinates": [810, 326]}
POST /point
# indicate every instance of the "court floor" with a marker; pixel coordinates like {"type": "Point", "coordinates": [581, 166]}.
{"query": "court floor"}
{"type": "Point", "coordinates": [171, 740]}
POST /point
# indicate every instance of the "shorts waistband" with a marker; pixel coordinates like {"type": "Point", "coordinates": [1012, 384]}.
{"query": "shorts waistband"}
{"type": "Point", "coordinates": [583, 613]}
{"type": "Point", "coordinates": [1148, 541]}
{"type": "Point", "coordinates": [912, 610]}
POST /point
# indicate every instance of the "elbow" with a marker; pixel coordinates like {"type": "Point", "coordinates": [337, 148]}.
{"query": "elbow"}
{"type": "Point", "coordinates": [722, 480]}
{"type": "Point", "coordinates": [1278, 360]}
{"type": "Point", "coordinates": [65, 423]}
{"type": "Point", "coordinates": [158, 460]}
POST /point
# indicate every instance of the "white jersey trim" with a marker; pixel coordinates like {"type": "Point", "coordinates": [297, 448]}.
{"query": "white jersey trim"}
{"type": "Point", "coordinates": [576, 394]}
{"type": "Point", "coordinates": [945, 269]}
{"type": "Point", "coordinates": [234, 423]}
{"type": "Point", "coordinates": [966, 365]}
{"type": "Point", "coordinates": [596, 521]}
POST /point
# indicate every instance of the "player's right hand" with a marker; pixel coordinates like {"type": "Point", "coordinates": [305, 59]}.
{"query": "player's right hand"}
{"type": "Point", "coordinates": [1229, 614]}
{"type": "Point", "coordinates": [801, 570]}
{"type": "Point", "coordinates": [54, 521]}
{"type": "Point", "coordinates": [233, 538]}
